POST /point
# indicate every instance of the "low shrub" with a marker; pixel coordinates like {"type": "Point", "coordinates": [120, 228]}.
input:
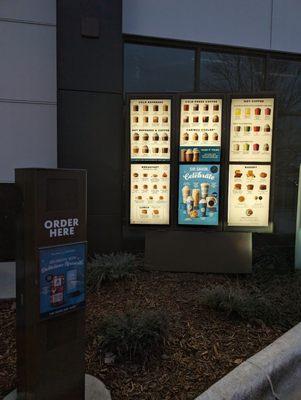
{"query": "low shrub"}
{"type": "Point", "coordinates": [240, 304]}
{"type": "Point", "coordinates": [109, 267]}
{"type": "Point", "coordinates": [133, 336]}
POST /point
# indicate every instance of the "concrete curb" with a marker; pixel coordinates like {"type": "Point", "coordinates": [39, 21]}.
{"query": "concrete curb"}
{"type": "Point", "coordinates": [94, 390]}
{"type": "Point", "coordinates": [272, 374]}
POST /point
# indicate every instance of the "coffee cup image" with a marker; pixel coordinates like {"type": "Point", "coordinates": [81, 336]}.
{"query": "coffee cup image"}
{"type": "Point", "coordinates": [195, 136]}
{"type": "Point", "coordinates": [155, 120]}
{"type": "Point", "coordinates": [267, 111]}
{"type": "Point", "coordinates": [236, 147]}
{"type": "Point", "coordinates": [263, 174]}
{"type": "Point", "coordinates": [263, 187]}
{"type": "Point", "coordinates": [165, 137]}
{"type": "Point", "coordinates": [267, 128]}
{"type": "Point", "coordinates": [182, 155]}
{"type": "Point", "coordinates": [186, 120]}
{"type": "Point", "coordinates": [203, 207]}
{"type": "Point", "coordinates": [195, 107]}
{"type": "Point", "coordinates": [189, 155]}
{"type": "Point", "coordinates": [185, 136]}
{"type": "Point", "coordinates": [237, 186]}
{"type": "Point", "coordinates": [165, 107]}
{"type": "Point", "coordinates": [145, 149]}
{"type": "Point", "coordinates": [155, 137]}
{"type": "Point", "coordinates": [135, 120]}
{"type": "Point", "coordinates": [215, 107]}
{"type": "Point", "coordinates": [195, 119]}
{"type": "Point", "coordinates": [205, 119]}
{"type": "Point", "coordinates": [165, 120]}
{"type": "Point", "coordinates": [185, 193]}
{"type": "Point", "coordinates": [135, 149]}
{"type": "Point", "coordinates": [145, 108]}
{"type": "Point", "coordinates": [215, 118]}
{"type": "Point", "coordinates": [255, 147]}
{"type": "Point", "coordinates": [238, 173]}
{"type": "Point", "coordinates": [237, 112]}
{"type": "Point", "coordinates": [266, 147]}
{"type": "Point", "coordinates": [215, 136]}
{"type": "Point", "coordinates": [211, 201]}
{"type": "Point", "coordinates": [247, 129]}
{"type": "Point", "coordinates": [257, 111]}
{"type": "Point", "coordinates": [256, 128]}
{"type": "Point", "coordinates": [135, 107]}
{"type": "Point", "coordinates": [145, 120]}
{"type": "Point", "coordinates": [186, 107]}
{"type": "Point", "coordinates": [155, 150]}
{"type": "Point", "coordinates": [237, 128]}
{"type": "Point", "coordinates": [250, 187]}
{"type": "Point", "coordinates": [204, 189]}
{"type": "Point", "coordinates": [155, 108]}
{"type": "Point", "coordinates": [196, 155]}
{"type": "Point", "coordinates": [205, 107]}
{"type": "Point", "coordinates": [136, 136]}
{"type": "Point", "coordinates": [205, 136]}
{"type": "Point", "coordinates": [247, 112]}
{"type": "Point", "coordinates": [145, 136]}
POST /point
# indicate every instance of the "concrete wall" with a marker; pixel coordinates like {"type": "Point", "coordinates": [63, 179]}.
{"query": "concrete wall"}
{"type": "Point", "coordinates": [27, 85]}
{"type": "Point", "coordinates": [262, 24]}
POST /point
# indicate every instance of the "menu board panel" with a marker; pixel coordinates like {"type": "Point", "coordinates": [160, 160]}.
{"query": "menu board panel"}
{"type": "Point", "coordinates": [200, 130]}
{"type": "Point", "coordinates": [150, 185]}
{"type": "Point", "coordinates": [251, 130]}
{"type": "Point", "coordinates": [198, 194]}
{"type": "Point", "coordinates": [150, 122]}
{"type": "Point", "coordinates": [249, 195]}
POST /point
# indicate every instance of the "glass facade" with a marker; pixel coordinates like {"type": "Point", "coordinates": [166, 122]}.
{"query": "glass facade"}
{"type": "Point", "coordinates": [156, 68]}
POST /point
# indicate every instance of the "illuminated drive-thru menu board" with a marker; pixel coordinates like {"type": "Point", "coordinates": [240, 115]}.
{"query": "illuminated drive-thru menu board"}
{"type": "Point", "coordinates": [150, 186]}
{"type": "Point", "coordinates": [198, 201]}
{"type": "Point", "coordinates": [150, 129]}
{"type": "Point", "coordinates": [200, 130]}
{"type": "Point", "coordinates": [249, 195]}
{"type": "Point", "coordinates": [251, 130]}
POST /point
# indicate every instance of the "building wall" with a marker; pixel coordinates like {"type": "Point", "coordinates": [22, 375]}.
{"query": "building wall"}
{"type": "Point", "coordinates": [262, 24]}
{"type": "Point", "coordinates": [27, 85]}
{"type": "Point", "coordinates": [28, 122]}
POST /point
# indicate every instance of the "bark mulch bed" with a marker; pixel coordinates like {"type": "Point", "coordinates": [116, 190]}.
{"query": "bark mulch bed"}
{"type": "Point", "coordinates": [202, 345]}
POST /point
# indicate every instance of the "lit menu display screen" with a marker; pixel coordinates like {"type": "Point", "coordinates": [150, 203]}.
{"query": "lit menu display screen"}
{"type": "Point", "coordinates": [198, 194]}
{"type": "Point", "coordinates": [249, 195]}
{"type": "Point", "coordinates": [200, 130]}
{"type": "Point", "coordinates": [150, 122]}
{"type": "Point", "coordinates": [150, 185]}
{"type": "Point", "coordinates": [251, 130]}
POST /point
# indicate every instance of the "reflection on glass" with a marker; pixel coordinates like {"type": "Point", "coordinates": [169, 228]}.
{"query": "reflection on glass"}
{"type": "Point", "coordinates": [158, 69]}
{"type": "Point", "coordinates": [231, 72]}
{"type": "Point", "coordinates": [284, 78]}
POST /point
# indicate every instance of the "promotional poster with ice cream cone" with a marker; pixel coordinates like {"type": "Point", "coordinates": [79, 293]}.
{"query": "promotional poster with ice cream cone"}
{"type": "Point", "coordinates": [150, 185]}
{"type": "Point", "coordinates": [150, 129]}
{"type": "Point", "coordinates": [251, 130]}
{"type": "Point", "coordinates": [249, 195]}
{"type": "Point", "coordinates": [200, 130]}
{"type": "Point", "coordinates": [198, 194]}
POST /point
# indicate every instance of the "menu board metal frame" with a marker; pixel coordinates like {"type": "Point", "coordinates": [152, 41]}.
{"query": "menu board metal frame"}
{"type": "Point", "coordinates": [241, 228]}
{"type": "Point", "coordinates": [175, 162]}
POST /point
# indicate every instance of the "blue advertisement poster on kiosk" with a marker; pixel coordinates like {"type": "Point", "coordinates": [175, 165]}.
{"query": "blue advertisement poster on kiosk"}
{"type": "Point", "coordinates": [62, 278]}
{"type": "Point", "coordinates": [198, 194]}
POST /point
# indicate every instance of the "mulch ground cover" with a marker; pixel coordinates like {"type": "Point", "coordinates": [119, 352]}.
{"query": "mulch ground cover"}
{"type": "Point", "coordinates": [202, 345]}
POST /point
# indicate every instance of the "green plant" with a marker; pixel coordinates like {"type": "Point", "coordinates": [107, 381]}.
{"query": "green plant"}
{"type": "Point", "coordinates": [240, 304]}
{"type": "Point", "coordinates": [109, 267]}
{"type": "Point", "coordinates": [133, 336]}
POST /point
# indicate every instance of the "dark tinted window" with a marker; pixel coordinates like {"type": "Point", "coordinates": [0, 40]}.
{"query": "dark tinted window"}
{"type": "Point", "coordinates": [158, 69]}
{"type": "Point", "coordinates": [231, 72]}
{"type": "Point", "coordinates": [284, 77]}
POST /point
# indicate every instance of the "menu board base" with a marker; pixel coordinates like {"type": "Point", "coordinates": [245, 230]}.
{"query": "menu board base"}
{"type": "Point", "coordinates": [188, 251]}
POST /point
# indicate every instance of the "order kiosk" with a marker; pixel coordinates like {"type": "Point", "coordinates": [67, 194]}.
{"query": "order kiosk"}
{"type": "Point", "coordinates": [51, 264]}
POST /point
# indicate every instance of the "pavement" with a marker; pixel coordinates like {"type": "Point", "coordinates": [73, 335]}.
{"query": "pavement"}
{"type": "Point", "coordinates": [7, 280]}
{"type": "Point", "coordinates": [94, 390]}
